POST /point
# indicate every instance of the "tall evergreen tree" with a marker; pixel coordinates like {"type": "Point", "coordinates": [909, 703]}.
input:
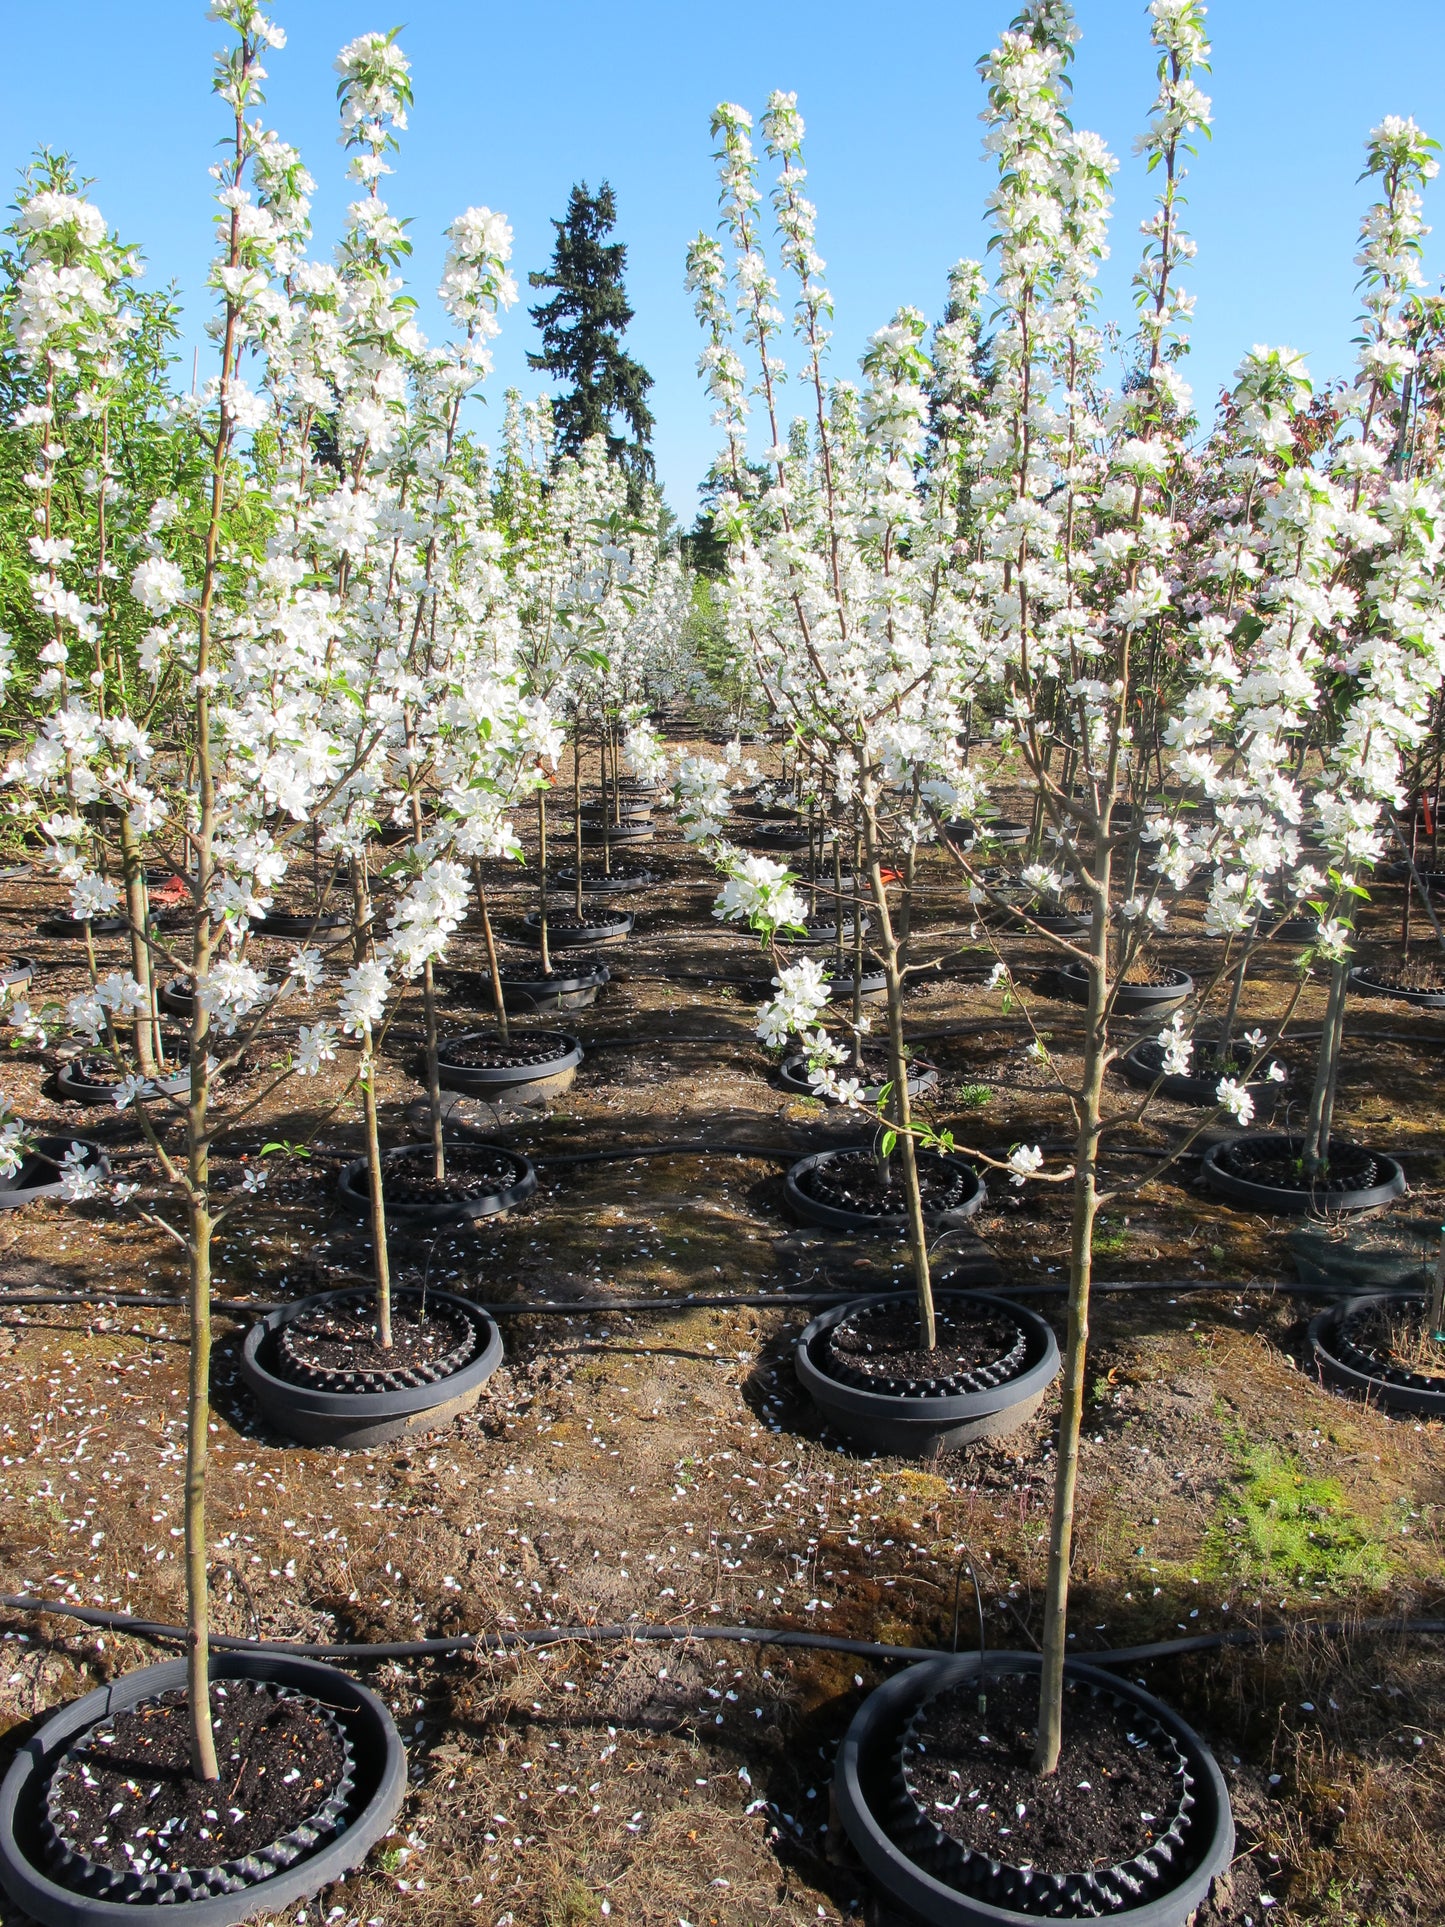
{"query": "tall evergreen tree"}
{"type": "Point", "coordinates": [582, 327]}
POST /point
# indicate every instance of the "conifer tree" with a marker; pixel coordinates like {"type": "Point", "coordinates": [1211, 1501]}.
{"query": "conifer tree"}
{"type": "Point", "coordinates": [582, 328]}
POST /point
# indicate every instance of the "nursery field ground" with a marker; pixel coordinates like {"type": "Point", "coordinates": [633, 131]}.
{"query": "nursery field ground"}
{"type": "Point", "coordinates": [662, 1466]}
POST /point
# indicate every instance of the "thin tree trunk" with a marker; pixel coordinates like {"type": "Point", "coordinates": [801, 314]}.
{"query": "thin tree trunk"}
{"type": "Point", "coordinates": [198, 1417]}
{"type": "Point", "coordinates": [1231, 1013]}
{"type": "Point", "coordinates": [815, 857]}
{"type": "Point", "coordinates": [857, 943]}
{"type": "Point", "coordinates": [609, 791]}
{"type": "Point", "coordinates": [1327, 1113]}
{"type": "Point", "coordinates": [577, 809]}
{"type": "Point", "coordinates": [149, 1053]}
{"type": "Point", "coordinates": [433, 1072]}
{"type": "Point", "coordinates": [380, 1257]}
{"type": "Point", "coordinates": [542, 879]}
{"type": "Point", "coordinates": [898, 1072]}
{"type": "Point", "coordinates": [1316, 1144]}
{"type": "Point", "coordinates": [838, 939]}
{"type": "Point", "coordinates": [499, 996]}
{"type": "Point", "coordinates": [1076, 1346]}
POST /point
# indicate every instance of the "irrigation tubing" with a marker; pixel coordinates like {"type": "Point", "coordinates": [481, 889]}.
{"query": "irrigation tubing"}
{"type": "Point", "coordinates": [712, 1301]}
{"type": "Point", "coordinates": [532, 1637]}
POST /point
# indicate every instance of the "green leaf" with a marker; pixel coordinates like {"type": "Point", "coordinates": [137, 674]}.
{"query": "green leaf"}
{"type": "Point", "coordinates": [291, 1150]}
{"type": "Point", "coordinates": [890, 1138]}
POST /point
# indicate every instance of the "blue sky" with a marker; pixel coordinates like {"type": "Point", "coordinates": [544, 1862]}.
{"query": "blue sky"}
{"type": "Point", "coordinates": [514, 103]}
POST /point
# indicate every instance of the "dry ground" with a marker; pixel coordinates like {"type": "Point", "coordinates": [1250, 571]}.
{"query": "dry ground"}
{"type": "Point", "coordinates": [662, 1466]}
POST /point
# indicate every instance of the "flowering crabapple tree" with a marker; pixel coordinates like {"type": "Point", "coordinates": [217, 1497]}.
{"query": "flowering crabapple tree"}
{"type": "Point", "coordinates": [1001, 535]}
{"type": "Point", "coordinates": [1159, 658]}
{"type": "Point", "coordinates": [328, 636]}
{"type": "Point", "coordinates": [839, 594]}
{"type": "Point", "coordinates": [89, 740]}
{"type": "Point", "coordinates": [81, 345]}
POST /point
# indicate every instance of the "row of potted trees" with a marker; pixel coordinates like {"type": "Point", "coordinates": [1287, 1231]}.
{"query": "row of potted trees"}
{"type": "Point", "coordinates": [305, 627]}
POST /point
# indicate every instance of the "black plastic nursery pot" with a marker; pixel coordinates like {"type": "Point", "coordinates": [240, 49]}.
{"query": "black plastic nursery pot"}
{"type": "Point", "coordinates": [574, 987]}
{"type": "Point", "coordinates": [39, 1175]}
{"type": "Point", "coordinates": [874, 986]}
{"type": "Point", "coordinates": [822, 928]}
{"type": "Point", "coordinates": [831, 1188]}
{"type": "Point", "coordinates": [16, 971]}
{"type": "Point", "coordinates": [631, 809]}
{"type": "Point", "coordinates": [1255, 1171]}
{"type": "Point", "coordinates": [487, 1177]}
{"type": "Point", "coordinates": [1007, 834]}
{"type": "Point", "coordinates": [355, 1410]}
{"type": "Point", "coordinates": [1142, 1066]}
{"type": "Point", "coordinates": [1374, 980]}
{"type": "Point", "coordinates": [780, 810]}
{"type": "Point", "coordinates": [594, 836]}
{"type": "Point", "coordinates": [1345, 1357]}
{"type": "Point", "coordinates": [793, 1076]}
{"type": "Point", "coordinates": [566, 931]}
{"type": "Point", "coordinates": [541, 1064]}
{"type": "Point", "coordinates": [90, 1078]}
{"type": "Point", "coordinates": [597, 882]}
{"type": "Point", "coordinates": [61, 925]}
{"type": "Point", "coordinates": [179, 998]}
{"type": "Point", "coordinates": [1130, 1000]}
{"type": "Point", "coordinates": [937, 1881]}
{"type": "Point", "coordinates": [913, 1415]}
{"type": "Point", "coordinates": [1058, 923]}
{"type": "Point", "coordinates": [783, 836]}
{"type": "Point", "coordinates": [269, 1880]}
{"type": "Point", "coordinates": [281, 923]}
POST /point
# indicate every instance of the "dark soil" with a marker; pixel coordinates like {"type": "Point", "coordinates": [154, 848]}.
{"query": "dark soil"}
{"type": "Point", "coordinates": [88, 1069]}
{"type": "Point", "coordinates": [849, 1181]}
{"type": "Point", "coordinates": [488, 1054]}
{"type": "Point", "coordinates": [595, 873]}
{"type": "Point", "coordinates": [67, 926]}
{"type": "Point", "coordinates": [473, 1171]}
{"type": "Point", "coordinates": [1114, 1793]}
{"type": "Point", "coordinates": [1152, 974]}
{"type": "Point", "coordinates": [337, 1347]}
{"type": "Point", "coordinates": [820, 928]}
{"type": "Point", "coordinates": [329, 920]}
{"type": "Point", "coordinates": [1395, 975]}
{"type": "Point", "coordinates": [881, 1342]}
{"type": "Point", "coordinates": [577, 965]}
{"type": "Point", "coordinates": [1395, 1339]}
{"type": "Point", "coordinates": [568, 920]}
{"type": "Point", "coordinates": [1351, 1168]}
{"type": "Point", "coordinates": [125, 1790]}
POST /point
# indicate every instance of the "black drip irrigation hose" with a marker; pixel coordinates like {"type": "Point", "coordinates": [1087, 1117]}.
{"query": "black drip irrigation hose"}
{"type": "Point", "coordinates": [531, 1637]}
{"type": "Point", "coordinates": [712, 1301]}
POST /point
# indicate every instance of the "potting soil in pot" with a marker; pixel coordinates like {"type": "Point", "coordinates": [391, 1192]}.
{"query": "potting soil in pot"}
{"type": "Point", "coordinates": [473, 1171]}
{"type": "Point", "coordinates": [1262, 1162]}
{"type": "Point", "coordinates": [124, 1800]}
{"type": "Point", "coordinates": [1117, 1790]}
{"type": "Point", "coordinates": [879, 1347]}
{"type": "Point", "coordinates": [336, 1348]}
{"type": "Point", "coordinates": [1397, 975]}
{"type": "Point", "coordinates": [1393, 1341]}
{"type": "Point", "coordinates": [483, 1054]}
{"type": "Point", "coordinates": [849, 1181]}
